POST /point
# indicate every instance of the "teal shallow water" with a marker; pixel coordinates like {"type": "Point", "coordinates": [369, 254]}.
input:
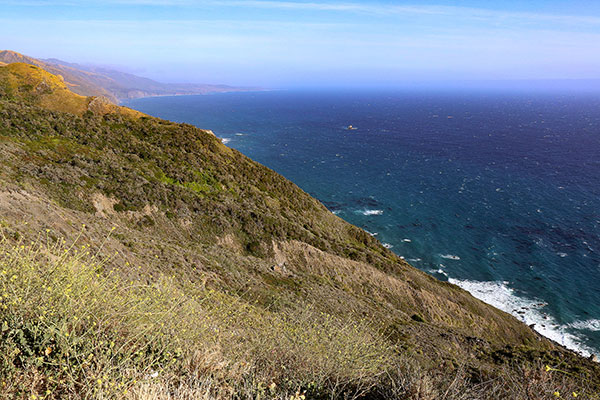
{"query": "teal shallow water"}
{"type": "Point", "coordinates": [496, 192]}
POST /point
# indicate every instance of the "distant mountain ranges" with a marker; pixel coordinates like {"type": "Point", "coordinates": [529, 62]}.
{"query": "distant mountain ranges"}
{"type": "Point", "coordinates": [115, 85]}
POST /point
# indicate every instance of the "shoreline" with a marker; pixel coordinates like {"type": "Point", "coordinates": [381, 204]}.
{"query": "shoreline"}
{"type": "Point", "coordinates": [527, 311]}
{"type": "Point", "coordinates": [121, 100]}
{"type": "Point", "coordinates": [553, 331]}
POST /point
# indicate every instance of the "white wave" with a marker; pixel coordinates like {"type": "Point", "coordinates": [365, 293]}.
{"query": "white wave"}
{"type": "Point", "coordinates": [371, 212]}
{"type": "Point", "coordinates": [407, 240]}
{"type": "Point", "coordinates": [440, 270]}
{"type": "Point", "coordinates": [372, 233]}
{"type": "Point", "coordinates": [450, 256]}
{"type": "Point", "coordinates": [529, 311]}
{"type": "Point", "coordinates": [588, 325]}
{"type": "Point", "coordinates": [225, 140]}
{"type": "Point", "coordinates": [563, 255]}
{"type": "Point", "coordinates": [336, 212]}
{"type": "Point", "coordinates": [387, 245]}
{"type": "Point", "coordinates": [239, 134]}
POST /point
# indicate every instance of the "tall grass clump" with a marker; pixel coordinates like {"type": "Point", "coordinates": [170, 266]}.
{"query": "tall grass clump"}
{"type": "Point", "coordinates": [73, 327]}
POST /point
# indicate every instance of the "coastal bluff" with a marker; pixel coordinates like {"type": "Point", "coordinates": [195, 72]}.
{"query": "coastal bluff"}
{"type": "Point", "coordinates": [142, 258]}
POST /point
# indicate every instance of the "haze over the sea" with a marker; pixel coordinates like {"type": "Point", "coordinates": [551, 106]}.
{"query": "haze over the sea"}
{"type": "Point", "coordinates": [286, 43]}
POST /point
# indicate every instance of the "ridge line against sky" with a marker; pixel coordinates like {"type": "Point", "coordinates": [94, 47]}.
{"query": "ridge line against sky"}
{"type": "Point", "coordinates": [290, 43]}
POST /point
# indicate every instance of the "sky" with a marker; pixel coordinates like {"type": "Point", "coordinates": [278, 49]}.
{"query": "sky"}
{"type": "Point", "coordinates": [292, 43]}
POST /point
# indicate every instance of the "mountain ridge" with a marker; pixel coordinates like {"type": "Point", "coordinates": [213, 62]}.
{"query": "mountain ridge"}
{"type": "Point", "coordinates": [32, 83]}
{"type": "Point", "coordinates": [112, 84]}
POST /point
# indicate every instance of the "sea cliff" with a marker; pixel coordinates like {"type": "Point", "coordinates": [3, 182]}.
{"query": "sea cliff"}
{"type": "Point", "coordinates": [143, 258]}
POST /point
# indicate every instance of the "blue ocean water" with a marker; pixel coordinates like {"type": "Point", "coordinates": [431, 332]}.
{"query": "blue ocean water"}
{"type": "Point", "coordinates": [497, 192]}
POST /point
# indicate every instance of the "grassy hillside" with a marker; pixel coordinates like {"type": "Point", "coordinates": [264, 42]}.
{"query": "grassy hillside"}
{"type": "Point", "coordinates": [142, 258]}
{"type": "Point", "coordinates": [80, 82]}
{"type": "Point", "coordinates": [30, 83]}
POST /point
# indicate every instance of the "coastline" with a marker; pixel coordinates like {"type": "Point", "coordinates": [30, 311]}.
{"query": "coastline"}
{"type": "Point", "coordinates": [528, 311]}
{"type": "Point", "coordinates": [148, 96]}
{"type": "Point", "coordinates": [543, 323]}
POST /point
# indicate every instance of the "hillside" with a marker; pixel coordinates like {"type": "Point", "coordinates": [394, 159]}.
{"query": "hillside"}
{"type": "Point", "coordinates": [20, 81]}
{"type": "Point", "coordinates": [80, 82]}
{"type": "Point", "coordinates": [114, 85]}
{"type": "Point", "coordinates": [142, 258]}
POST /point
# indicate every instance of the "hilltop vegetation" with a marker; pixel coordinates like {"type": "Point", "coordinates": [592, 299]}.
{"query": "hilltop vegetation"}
{"type": "Point", "coordinates": [20, 81]}
{"type": "Point", "coordinates": [80, 82]}
{"type": "Point", "coordinates": [143, 258]}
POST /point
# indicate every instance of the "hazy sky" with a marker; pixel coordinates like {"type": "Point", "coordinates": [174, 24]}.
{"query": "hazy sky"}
{"type": "Point", "coordinates": [294, 43]}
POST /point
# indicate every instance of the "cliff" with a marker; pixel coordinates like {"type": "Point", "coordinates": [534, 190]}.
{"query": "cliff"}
{"type": "Point", "coordinates": [143, 258]}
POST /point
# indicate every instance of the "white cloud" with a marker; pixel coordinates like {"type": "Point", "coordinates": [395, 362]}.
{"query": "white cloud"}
{"type": "Point", "coordinates": [372, 8]}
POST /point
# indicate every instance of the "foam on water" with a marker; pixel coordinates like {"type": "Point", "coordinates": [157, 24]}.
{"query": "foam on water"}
{"type": "Point", "coordinates": [371, 212]}
{"type": "Point", "coordinates": [450, 256]}
{"type": "Point", "coordinates": [589, 325]}
{"type": "Point", "coordinates": [225, 140]}
{"type": "Point", "coordinates": [530, 311]}
{"type": "Point", "coordinates": [440, 270]}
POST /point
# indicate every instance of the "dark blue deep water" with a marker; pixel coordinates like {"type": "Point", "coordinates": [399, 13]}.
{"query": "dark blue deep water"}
{"type": "Point", "coordinates": [496, 192]}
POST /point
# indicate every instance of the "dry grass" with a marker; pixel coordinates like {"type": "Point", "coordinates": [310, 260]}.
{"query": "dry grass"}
{"type": "Point", "coordinates": [534, 382]}
{"type": "Point", "coordinates": [72, 328]}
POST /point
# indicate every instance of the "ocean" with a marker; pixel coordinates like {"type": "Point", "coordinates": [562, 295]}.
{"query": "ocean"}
{"type": "Point", "coordinates": [497, 192]}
